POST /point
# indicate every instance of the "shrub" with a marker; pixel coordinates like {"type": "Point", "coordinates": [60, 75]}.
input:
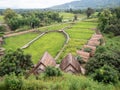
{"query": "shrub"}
{"type": "Point", "coordinates": [80, 60]}
{"type": "Point", "coordinates": [13, 82]}
{"type": "Point", "coordinates": [52, 71]}
{"type": "Point", "coordinates": [106, 74]}
{"type": "Point", "coordinates": [101, 49]}
{"type": "Point", "coordinates": [15, 61]}
{"type": "Point", "coordinates": [2, 29]}
{"type": "Point", "coordinates": [100, 59]}
{"type": "Point", "coordinates": [87, 50]}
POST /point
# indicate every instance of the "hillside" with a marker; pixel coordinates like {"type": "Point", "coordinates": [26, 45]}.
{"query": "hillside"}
{"type": "Point", "coordinates": [83, 4]}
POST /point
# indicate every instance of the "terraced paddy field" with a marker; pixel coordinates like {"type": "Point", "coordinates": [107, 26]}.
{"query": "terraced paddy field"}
{"type": "Point", "coordinates": [51, 42]}
{"type": "Point", "coordinates": [54, 41]}
{"type": "Point", "coordinates": [79, 34]}
{"type": "Point", "coordinates": [18, 41]}
{"type": "Point", "coordinates": [54, 27]}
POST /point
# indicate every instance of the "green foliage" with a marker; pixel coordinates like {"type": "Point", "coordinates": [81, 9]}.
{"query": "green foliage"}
{"type": "Point", "coordinates": [31, 19]}
{"type": "Point", "coordinates": [15, 61]}
{"type": "Point", "coordinates": [80, 60]}
{"type": "Point", "coordinates": [100, 59]}
{"type": "Point", "coordinates": [109, 21]}
{"type": "Point", "coordinates": [65, 82]}
{"type": "Point", "coordinates": [12, 82]}
{"type": "Point", "coordinates": [9, 13]}
{"type": "Point", "coordinates": [2, 28]}
{"type": "Point", "coordinates": [52, 71]}
{"type": "Point", "coordinates": [106, 74]}
{"type": "Point", "coordinates": [101, 49]}
{"type": "Point", "coordinates": [104, 19]}
{"type": "Point", "coordinates": [87, 50]}
{"type": "Point", "coordinates": [51, 42]}
{"type": "Point", "coordinates": [89, 12]}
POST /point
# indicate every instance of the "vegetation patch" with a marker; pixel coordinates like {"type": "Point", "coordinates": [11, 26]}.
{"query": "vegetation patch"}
{"type": "Point", "coordinates": [18, 41]}
{"type": "Point", "coordinates": [78, 37]}
{"type": "Point", "coordinates": [51, 42]}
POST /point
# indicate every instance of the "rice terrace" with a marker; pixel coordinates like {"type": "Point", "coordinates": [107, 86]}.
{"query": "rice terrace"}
{"type": "Point", "coordinates": [63, 45]}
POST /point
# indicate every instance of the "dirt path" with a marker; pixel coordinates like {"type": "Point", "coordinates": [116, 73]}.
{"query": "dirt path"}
{"type": "Point", "coordinates": [18, 33]}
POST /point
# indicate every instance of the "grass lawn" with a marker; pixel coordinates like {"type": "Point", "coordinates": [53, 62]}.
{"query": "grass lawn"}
{"type": "Point", "coordinates": [18, 41]}
{"type": "Point", "coordinates": [79, 35]}
{"type": "Point", "coordinates": [51, 42]}
{"type": "Point", "coordinates": [54, 27]}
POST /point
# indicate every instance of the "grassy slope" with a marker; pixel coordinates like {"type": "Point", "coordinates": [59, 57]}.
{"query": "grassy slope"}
{"type": "Point", "coordinates": [51, 42]}
{"type": "Point", "coordinates": [18, 41]}
{"type": "Point", "coordinates": [79, 34]}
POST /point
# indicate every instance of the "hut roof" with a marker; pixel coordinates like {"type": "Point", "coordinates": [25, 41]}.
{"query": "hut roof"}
{"type": "Point", "coordinates": [70, 60]}
{"type": "Point", "coordinates": [93, 43]}
{"type": "Point", "coordinates": [47, 60]}
{"type": "Point", "coordinates": [1, 39]}
{"type": "Point", "coordinates": [97, 36]}
{"type": "Point", "coordinates": [91, 47]}
{"type": "Point", "coordinates": [83, 53]}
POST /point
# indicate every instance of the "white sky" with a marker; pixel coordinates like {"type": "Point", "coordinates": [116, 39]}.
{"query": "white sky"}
{"type": "Point", "coordinates": [30, 3]}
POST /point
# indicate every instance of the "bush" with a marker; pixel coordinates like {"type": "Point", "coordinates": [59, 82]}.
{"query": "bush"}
{"type": "Point", "coordinates": [13, 82]}
{"type": "Point", "coordinates": [2, 29]}
{"type": "Point", "coordinates": [80, 60]}
{"type": "Point", "coordinates": [15, 61]}
{"type": "Point", "coordinates": [52, 71]}
{"type": "Point", "coordinates": [87, 50]}
{"type": "Point", "coordinates": [100, 59]}
{"type": "Point", "coordinates": [101, 49]}
{"type": "Point", "coordinates": [106, 74]}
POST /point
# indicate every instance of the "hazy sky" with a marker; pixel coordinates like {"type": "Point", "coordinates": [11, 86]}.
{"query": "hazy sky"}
{"type": "Point", "coordinates": [30, 3]}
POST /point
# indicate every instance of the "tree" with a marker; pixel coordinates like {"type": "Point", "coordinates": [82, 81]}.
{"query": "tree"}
{"type": "Point", "coordinates": [52, 71]}
{"type": "Point", "coordinates": [106, 74]}
{"type": "Point", "coordinates": [9, 13]}
{"type": "Point", "coordinates": [89, 12]}
{"type": "Point", "coordinates": [15, 61]}
{"type": "Point", "coordinates": [109, 58]}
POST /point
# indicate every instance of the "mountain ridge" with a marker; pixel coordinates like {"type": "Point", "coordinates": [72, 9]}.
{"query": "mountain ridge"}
{"type": "Point", "coordinates": [83, 4]}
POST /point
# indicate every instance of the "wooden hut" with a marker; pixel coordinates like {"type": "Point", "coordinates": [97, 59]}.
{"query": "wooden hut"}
{"type": "Point", "coordinates": [46, 60]}
{"type": "Point", "coordinates": [70, 64]}
{"type": "Point", "coordinates": [85, 55]}
{"type": "Point", "coordinates": [93, 43]}
{"type": "Point", "coordinates": [99, 36]}
{"type": "Point", "coordinates": [93, 48]}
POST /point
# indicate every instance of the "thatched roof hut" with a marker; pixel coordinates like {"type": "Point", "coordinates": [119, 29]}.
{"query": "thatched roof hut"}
{"type": "Point", "coordinates": [1, 40]}
{"type": "Point", "coordinates": [93, 43]}
{"type": "Point", "coordinates": [85, 55]}
{"type": "Point", "coordinates": [99, 36]}
{"type": "Point", "coordinates": [46, 60]}
{"type": "Point", "coordinates": [70, 64]}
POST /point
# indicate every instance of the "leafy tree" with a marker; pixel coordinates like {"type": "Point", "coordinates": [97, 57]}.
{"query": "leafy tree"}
{"type": "Point", "coordinates": [15, 61]}
{"type": "Point", "coordinates": [89, 12]}
{"type": "Point", "coordinates": [109, 58]}
{"type": "Point", "coordinates": [106, 74]}
{"type": "Point", "coordinates": [80, 60]}
{"type": "Point", "coordinates": [104, 19]}
{"type": "Point", "coordinates": [109, 21]}
{"type": "Point", "coordinates": [2, 28]}
{"type": "Point", "coordinates": [9, 13]}
{"type": "Point", "coordinates": [52, 71]}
